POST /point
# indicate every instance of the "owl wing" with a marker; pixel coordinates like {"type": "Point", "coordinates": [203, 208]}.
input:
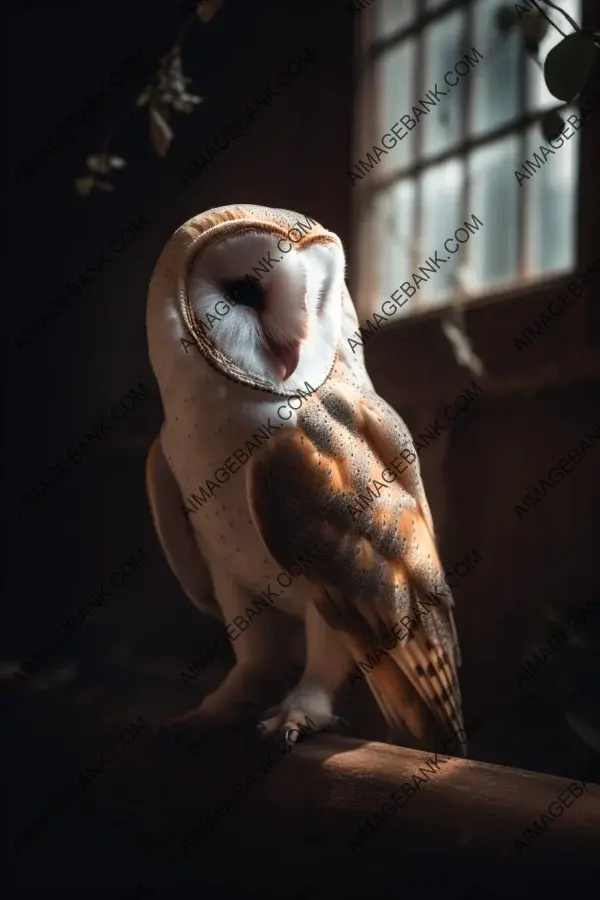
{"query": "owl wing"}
{"type": "Point", "coordinates": [318, 490]}
{"type": "Point", "coordinates": [174, 533]}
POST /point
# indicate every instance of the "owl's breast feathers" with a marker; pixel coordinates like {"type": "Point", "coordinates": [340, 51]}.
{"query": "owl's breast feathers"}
{"type": "Point", "coordinates": [344, 489]}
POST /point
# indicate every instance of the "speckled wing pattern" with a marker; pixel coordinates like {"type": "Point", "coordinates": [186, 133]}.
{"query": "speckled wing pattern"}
{"type": "Point", "coordinates": [373, 560]}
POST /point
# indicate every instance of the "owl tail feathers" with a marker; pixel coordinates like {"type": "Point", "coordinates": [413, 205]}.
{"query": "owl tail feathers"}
{"type": "Point", "coordinates": [410, 720]}
{"type": "Point", "coordinates": [395, 696]}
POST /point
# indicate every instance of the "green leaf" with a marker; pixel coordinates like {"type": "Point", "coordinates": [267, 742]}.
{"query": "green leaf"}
{"type": "Point", "coordinates": [552, 124]}
{"type": "Point", "coordinates": [568, 65]}
{"type": "Point", "coordinates": [585, 722]}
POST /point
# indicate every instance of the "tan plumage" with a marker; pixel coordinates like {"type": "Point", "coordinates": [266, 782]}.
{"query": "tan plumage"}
{"type": "Point", "coordinates": [307, 492]}
{"type": "Point", "coordinates": [371, 564]}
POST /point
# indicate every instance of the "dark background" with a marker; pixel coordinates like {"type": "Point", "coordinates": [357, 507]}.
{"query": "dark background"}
{"type": "Point", "coordinates": [127, 659]}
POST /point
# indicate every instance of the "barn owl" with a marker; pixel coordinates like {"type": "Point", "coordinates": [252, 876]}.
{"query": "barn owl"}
{"type": "Point", "coordinates": [248, 311]}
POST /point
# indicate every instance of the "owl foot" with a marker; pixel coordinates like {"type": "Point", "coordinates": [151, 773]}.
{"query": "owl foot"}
{"type": "Point", "coordinates": [307, 710]}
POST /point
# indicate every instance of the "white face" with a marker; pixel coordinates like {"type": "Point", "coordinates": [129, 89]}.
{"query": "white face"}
{"type": "Point", "coordinates": [275, 314]}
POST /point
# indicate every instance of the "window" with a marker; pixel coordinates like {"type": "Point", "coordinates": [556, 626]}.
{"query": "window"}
{"type": "Point", "coordinates": [449, 111]}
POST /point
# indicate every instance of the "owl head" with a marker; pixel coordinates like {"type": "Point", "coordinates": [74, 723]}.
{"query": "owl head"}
{"type": "Point", "coordinates": [258, 292]}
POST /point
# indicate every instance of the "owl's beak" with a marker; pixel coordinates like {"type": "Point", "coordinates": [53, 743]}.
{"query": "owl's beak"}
{"type": "Point", "coordinates": [286, 357]}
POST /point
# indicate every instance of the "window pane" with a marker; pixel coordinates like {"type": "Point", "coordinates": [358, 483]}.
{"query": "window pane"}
{"type": "Point", "coordinates": [539, 97]}
{"type": "Point", "coordinates": [414, 218]}
{"type": "Point", "coordinates": [444, 46]}
{"type": "Point", "coordinates": [392, 15]}
{"type": "Point", "coordinates": [495, 84]}
{"type": "Point", "coordinates": [394, 211]}
{"type": "Point", "coordinates": [395, 74]}
{"type": "Point", "coordinates": [492, 252]}
{"type": "Point", "coordinates": [551, 192]}
{"type": "Point", "coordinates": [442, 191]}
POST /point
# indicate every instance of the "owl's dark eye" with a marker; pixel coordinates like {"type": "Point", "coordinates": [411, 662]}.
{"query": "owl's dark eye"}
{"type": "Point", "coordinates": [246, 292]}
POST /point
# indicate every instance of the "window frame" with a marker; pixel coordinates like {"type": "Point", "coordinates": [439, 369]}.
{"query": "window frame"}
{"type": "Point", "coordinates": [507, 306]}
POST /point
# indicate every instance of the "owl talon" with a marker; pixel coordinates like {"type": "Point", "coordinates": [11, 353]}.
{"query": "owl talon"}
{"type": "Point", "coordinates": [287, 735]}
{"type": "Point", "coordinates": [293, 734]}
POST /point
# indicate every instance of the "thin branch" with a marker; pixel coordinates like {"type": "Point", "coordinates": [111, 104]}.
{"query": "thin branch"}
{"type": "Point", "coordinates": [548, 19]}
{"type": "Point", "coordinates": [175, 48]}
{"type": "Point", "coordinates": [193, 17]}
{"type": "Point", "coordinates": [165, 88]}
{"type": "Point", "coordinates": [571, 21]}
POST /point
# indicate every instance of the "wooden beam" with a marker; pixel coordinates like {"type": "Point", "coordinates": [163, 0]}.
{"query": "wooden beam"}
{"type": "Point", "coordinates": [453, 834]}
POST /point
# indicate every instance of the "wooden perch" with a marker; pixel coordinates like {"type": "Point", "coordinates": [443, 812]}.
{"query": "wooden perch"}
{"type": "Point", "coordinates": [298, 822]}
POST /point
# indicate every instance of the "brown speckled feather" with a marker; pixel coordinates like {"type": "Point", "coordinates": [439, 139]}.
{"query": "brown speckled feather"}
{"type": "Point", "coordinates": [372, 544]}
